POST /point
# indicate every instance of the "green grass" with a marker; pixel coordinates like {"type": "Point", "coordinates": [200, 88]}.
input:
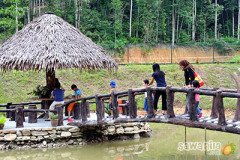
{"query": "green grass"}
{"type": "Point", "coordinates": [235, 59]}
{"type": "Point", "coordinates": [15, 85]}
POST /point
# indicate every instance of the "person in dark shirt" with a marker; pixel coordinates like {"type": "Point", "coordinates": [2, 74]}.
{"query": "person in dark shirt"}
{"type": "Point", "coordinates": [159, 77]}
{"type": "Point", "coordinates": [58, 95]}
{"type": "Point", "coordinates": [188, 72]}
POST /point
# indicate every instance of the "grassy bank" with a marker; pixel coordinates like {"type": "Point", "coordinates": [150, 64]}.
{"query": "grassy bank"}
{"type": "Point", "coordinates": [15, 85]}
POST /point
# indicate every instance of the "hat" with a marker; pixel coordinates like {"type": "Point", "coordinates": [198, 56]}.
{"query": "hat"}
{"type": "Point", "coordinates": [112, 84]}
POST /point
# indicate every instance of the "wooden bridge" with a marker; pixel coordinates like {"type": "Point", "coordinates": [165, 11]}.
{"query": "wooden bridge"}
{"type": "Point", "coordinates": [217, 120]}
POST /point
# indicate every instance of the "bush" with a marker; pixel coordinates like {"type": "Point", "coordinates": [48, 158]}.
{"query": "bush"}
{"type": "Point", "coordinates": [235, 59]}
{"type": "Point", "coordinates": [2, 120]}
{"type": "Point", "coordinates": [54, 117]}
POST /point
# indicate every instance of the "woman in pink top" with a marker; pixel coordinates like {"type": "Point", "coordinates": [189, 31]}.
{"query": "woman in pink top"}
{"type": "Point", "coordinates": [197, 98]}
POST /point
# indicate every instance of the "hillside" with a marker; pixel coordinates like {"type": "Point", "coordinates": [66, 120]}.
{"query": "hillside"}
{"type": "Point", "coordinates": [15, 85]}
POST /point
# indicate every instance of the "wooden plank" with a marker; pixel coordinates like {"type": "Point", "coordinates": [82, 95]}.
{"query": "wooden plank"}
{"type": "Point", "coordinates": [114, 105]}
{"type": "Point", "coordinates": [220, 107]}
{"type": "Point", "coordinates": [99, 109]}
{"type": "Point", "coordinates": [59, 109]}
{"type": "Point", "coordinates": [214, 111]}
{"type": "Point", "coordinates": [76, 110]}
{"type": "Point", "coordinates": [192, 105]}
{"type": "Point", "coordinates": [84, 110]}
{"type": "Point", "coordinates": [132, 104]}
{"type": "Point", "coordinates": [170, 101]}
{"type": "Point", "coordinates": [150, 102]}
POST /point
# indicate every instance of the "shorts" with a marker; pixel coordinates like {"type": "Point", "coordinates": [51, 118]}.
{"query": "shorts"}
{"type": "Point", "coordinates": [70, 107]}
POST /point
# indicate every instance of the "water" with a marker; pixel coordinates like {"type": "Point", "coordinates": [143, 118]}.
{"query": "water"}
{"type": "Point", "coordinates": [162, 145]}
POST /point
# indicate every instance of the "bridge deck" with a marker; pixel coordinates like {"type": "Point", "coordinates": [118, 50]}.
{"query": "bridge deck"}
{"type": "Point", "coordinates": [203, 122]}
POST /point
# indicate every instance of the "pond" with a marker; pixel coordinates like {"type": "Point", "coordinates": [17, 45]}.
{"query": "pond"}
{"type": "Point", "coordinates": [167, 142]}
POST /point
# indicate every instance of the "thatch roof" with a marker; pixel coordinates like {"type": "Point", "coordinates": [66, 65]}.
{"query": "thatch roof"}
{"type": "Point", "coordinates": [50, 42]}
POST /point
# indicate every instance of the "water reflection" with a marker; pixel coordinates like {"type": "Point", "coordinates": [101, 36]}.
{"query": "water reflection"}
{"type": "Point", "coordinates": [163, 145]}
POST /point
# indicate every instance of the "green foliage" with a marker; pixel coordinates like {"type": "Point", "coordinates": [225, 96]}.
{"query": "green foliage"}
{"type": "Point", "coordinates": [2, 119]}
{"type": "Point", "coordinates": [40, 91]}
{"type": "Point", "coordinates": [235, 59]}
{"type": "Point", "coordinates": [53, 116]}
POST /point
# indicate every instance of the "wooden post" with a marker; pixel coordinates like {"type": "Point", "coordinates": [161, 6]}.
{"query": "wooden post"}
{"type": "Point", "coordinates": [12, 114]}
{"type": "Point", "coordinates": [114, 105]}
{"type": "Point", "coordinates": [32, 117]}
{"type": "Point", "coordinates": [214, 112]}
{"type": "Point", "coordinates": [19, 117]}
{"type": "Point", "coordinates": [237, 113]}
{"type": "Point", "coordinates": [170, 101]}
{"type": "Point", "coordinates": [84, 110]}
{"type": "Point", "coordinates": [150, 103]}
{"type": "Point", "coordinates": [76, 109]}
{"type": "Point", "coordinates": [59, 109]}
{"type": "Point", "coordinates": [132, 104]}
{"type": "Point", "coordinates": [99, 109]}
{"type": "Point", "coordinates": [191, 103]}
{"type": "Point", "coordinates": [8, 107]}
{"type": "Point", "coordinates": [220, 106]}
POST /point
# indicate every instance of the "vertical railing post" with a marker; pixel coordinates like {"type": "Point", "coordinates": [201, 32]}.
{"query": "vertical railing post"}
{"type": "Point", "coordinates": [170, 101]}
{"type": "Point", "coordinates": [12, 114]}
{"type": "Point", "coordinates": [150, 102]}
{"type": "Point", "coordinates": [99, 109]}
{"type": "Point", "coordinates": [214, 112]}
{"type": "Point", "coordinates": [84, 110]}
{"type": "Point", "coordinates": [19, 117]}
{"type": "Point", "coordinates": [8, 107]}
{"type": "Point", "coordinates": [59, 109]}
{"type": "Point", "coordinates": [132, 104]}
{"type": "Point", "coordinates": [114, 105]}
{"type": "Point", "coordinates": [76, 109]}
{"type": "Point", "coordinates": [237, 113]}
{"type": "Point", "coordinates": [219, 104]}
{"type": "Point", "coordinates": [191, 104]}
{"type": "Point", "coordinates": [32, 117]}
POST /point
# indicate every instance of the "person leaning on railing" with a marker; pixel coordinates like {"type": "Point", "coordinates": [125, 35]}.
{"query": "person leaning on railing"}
{"type": "Point", "coordinates": [58, 95]}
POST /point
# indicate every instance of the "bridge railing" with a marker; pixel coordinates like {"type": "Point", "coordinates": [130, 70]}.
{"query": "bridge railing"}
{"type": "Point", "coordinates": [217, 110]}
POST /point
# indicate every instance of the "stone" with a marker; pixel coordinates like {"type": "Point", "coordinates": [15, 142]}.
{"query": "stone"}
{"type": "Point", "coordinates": [70, 142]}
{"type": "Point", "coordinates": [136, 128]}
{"type": "Point", "coordinates": [136, 136]}
{"type": "Point", "coordinates": [26, 132]}
{"type": "Point", "coordinates": [39, 133]}
{"type": "Point", "coordinates": [111, 129]}
{"type": "Point", "coordinates": [47, 129]}
{"type": "Point", "coordinates": [75, 129]}
{"type": "Point", "coordinates": [120, 130]}
{"type": "Point", "coordinates": [53, 131]}
{"type": "Point", "coordinates": [46, 136]}
{"type": "Point", "coordinates": [10, 137]}
{"type": "Point", "coordinates": [9, 131]}
{"type": "Point", "coordinates": [25, 138]}
{"type": "Point", "coordinates": [128, 129]}
{"type": "Point", "coordinates": [19, 133]}
{"type": "Point", "coordinates": [44, 143]}
{"type": "Point", "coordinates": [66, 134]}
{"type": "Point", "coordinates": [33, 137]}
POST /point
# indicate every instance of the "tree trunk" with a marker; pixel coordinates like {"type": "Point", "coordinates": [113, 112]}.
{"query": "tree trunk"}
{"type": "Point", "coordinates": [194, 19]}
{"type": "Point", "coordinates": [29, 12]}
{"type": "Point", "coordinates": [76, 13]}
{"type": "Point", "coordinates": [233, 24]}
{"type": "Point", "coordinates": [34, 8]}
{"type": "Point", "coordinates": [177, 33]}
{"type": "Point", "coordinates": [50, 79]}
{"type": "Point", "coordinates": [173, 23]}
{"type": "Point", "coordinates": [215, 27]}
{"type": "Point", "coordinates": [130, 22]}
{"type": "Point", "coordinates": [39, 7]}
{"type": "Point", "coordinates": [16, 17]}
{"type": "Point", "coordinates": [238, 20]}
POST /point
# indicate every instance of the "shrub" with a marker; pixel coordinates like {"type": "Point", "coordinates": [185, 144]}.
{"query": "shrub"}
{"type": "Point", "coordinates": [54, 117]}
{"type": "Point", "coordinates": [2, 120]}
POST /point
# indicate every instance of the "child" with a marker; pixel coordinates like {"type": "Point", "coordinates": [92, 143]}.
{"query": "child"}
{"type": "Point", "coordinates": [77, 95]}
{"type": "Point", "coordinates": [196, 85]}
{"type": "Point", "coordinates": [146, 83]}
{"type": "Point", "coordinates": [113, 89]}
{"type": "Point", "coordinates": [58, 95]}
{"type": "Point", "coordinates": [159, 77]}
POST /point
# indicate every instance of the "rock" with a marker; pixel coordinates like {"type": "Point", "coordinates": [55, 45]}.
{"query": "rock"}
{"type": "Point", "coordinates": [75, 129]}
{"type": "Point", "coordinates": [44, 143]}
{"type": "Point", "coordinates": [111, 129]}
{"type": "Point", "coordinates": [136, 136]}
{"type": "Point", "coordinates": [19, 133]}
{"type": "Point", "coordinates": [130, 124]}
{"type": "Point", "coordinates": [70, 142]}
{"type": "Point", "coordinates": [9, 131]}
{"type": "Point", "coordinates": [25, 138]}
{"type": "Point", "coordinates": [136, 128]}
{"type": "Point", "coordinates": [128, 129]}
{"type": "Point", "coordinates": [47, 129]}
{"type": "Point", "coordinates": [46, 136]}
{"type": "Point", "coordinates": [1, 138]}
{"type": "Point", "coordinates": [120, 130]}
{"type": "Point", "coordinates": [52, 132]}
{"type": "Point", "coordinates": [39, 133]}
{"type": "Point", "coordinates": [66, 134]}
{"type": "Point", "coordinates": [10, 137]}
{"type": "Point", "coordinates": [26, 132]}
{"type": "Point", "coordinates": [50, 145]}
{"type": "Point", "coordinates": [33, 137]}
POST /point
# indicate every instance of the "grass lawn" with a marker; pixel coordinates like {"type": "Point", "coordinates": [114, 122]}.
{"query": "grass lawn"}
{"type": "Point", "coordinates": [15, 86]}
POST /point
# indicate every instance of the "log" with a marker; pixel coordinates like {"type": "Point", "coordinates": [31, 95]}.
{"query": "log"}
{"type": "Point", "coordinates": [219, 105]}
{"type": "Point", "coordinates": [12, 115]}
{"type": "Point", "coordinates": [132, 104]}
{"type": "Point", "coordinates": [8, 107]}
{"type": "Point", "coordinates": [76, 110]}
{"type": "Point", "coordinates": [59, 109]}
{"type": "Point", "coordinates": [237, 113]}
{"type": "Point", "coordinates": [114, 105]}
{"type": "Point", "coordinates": [170, 101]}
{"type": "Point", "coordinates": [99, 109]}
{"type": "Point", "coordinates": [83, 107]}
{"type": "Point", "coordinates": [192, 105]}
{"type": "Point", "coordinates": [19, 117]}
{"type": "Point", "coordinates": [214, 112]}
{"type": "Point", "coordinates": [32, 117]}
{"type": "Point", "coordinates": [150, 102]}
{"type": "Point", "coordinates": [230, 95]}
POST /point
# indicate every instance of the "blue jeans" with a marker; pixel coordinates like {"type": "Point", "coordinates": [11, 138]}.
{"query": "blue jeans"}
{"type": "Point", "coordinates": [198, 109]}
{"type": "Point", "coordinates": [145, 104]}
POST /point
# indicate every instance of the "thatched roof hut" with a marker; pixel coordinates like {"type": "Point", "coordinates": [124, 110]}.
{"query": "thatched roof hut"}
{"type": "Point", "coordinates": [49, 43]}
